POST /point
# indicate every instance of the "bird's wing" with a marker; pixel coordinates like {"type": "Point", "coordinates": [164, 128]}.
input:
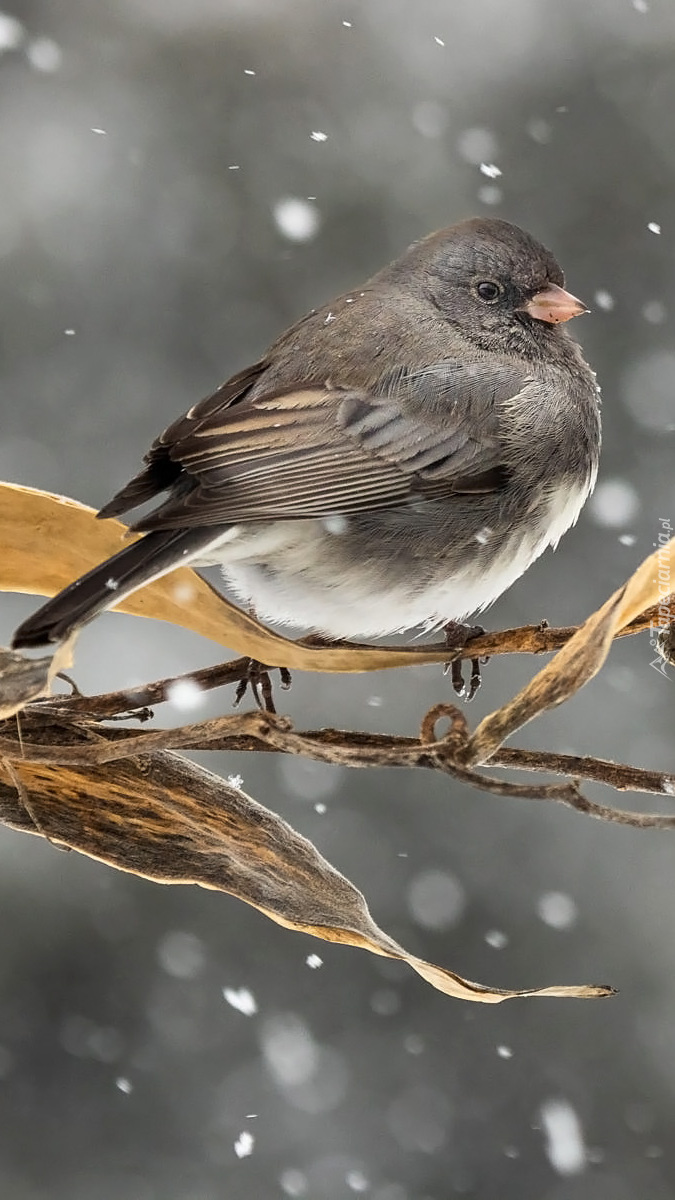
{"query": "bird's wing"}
{"type": "Point", "coordinates": [317, 451]}
{"type": "Point", "coordinates": [162, 471]}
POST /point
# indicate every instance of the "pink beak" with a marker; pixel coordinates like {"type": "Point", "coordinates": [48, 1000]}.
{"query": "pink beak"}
{"type": "Point", "coordinates": [554, 304]}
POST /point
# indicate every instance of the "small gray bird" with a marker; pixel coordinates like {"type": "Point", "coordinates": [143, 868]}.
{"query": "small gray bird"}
{"type": "Point", "coordinates": [397, 459]}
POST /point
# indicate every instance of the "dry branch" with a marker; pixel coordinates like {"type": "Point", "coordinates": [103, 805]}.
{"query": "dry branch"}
{"type": "Point", "coordinates": [168, 820]}
{"type": "Point", "coordinates": [124, 796]}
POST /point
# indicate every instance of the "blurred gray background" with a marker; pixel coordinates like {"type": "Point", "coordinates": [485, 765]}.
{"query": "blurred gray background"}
{"type": "Point", "coordinates": [178, 181]}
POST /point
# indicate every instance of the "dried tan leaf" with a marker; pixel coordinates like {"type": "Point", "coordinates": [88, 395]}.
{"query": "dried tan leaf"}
{"type": "Point", "coordinates": [581, 658]}
{"type": "Point", "coordinates": [168, 820]}
{"type": "Point", "coordinates": [23, 679]}
{"type": "Point", "coordinates": [48, 541]}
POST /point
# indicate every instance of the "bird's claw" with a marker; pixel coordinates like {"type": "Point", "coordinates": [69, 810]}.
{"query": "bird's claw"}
{"type": "Point", "coordinates": [258, 679]}
{"type": "Point", "coordinates": [456, 637]}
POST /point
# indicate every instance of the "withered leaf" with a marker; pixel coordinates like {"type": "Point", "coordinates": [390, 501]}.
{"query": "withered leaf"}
{"type": "Point", "coordinates": [23, 679]}
{"type": "Point", "coordinates": [581, 658]}
{"type": "Point", "coordinates": [164, 818]}
{"type": "Point", "coordinates": [48, 541]}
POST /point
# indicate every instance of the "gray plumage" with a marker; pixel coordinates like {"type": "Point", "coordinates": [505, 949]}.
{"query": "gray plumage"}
{"type": "Point", "coordinates": [398, 457]}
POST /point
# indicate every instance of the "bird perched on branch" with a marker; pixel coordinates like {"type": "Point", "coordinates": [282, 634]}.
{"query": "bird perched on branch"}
{"type": "Point", "coordinates": [397, 458]}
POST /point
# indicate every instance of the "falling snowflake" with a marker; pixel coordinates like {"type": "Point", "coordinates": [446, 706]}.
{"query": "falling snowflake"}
{"type": "Point", "coordinates": [557, 910]}
{"type": "Point", "coordinates": [614, 503]}
{"type": "Point", "coordinates": [185, 694]}
{"type": "Point", "coordinates": [496, 939]}
{"type": "Point", "coordinates": [244, 1144]}
{"type": "Point", "coordinates": [297, 219]}
{"type": "Point", "coordinates": [44, 55]}
{"type": "Point", "coordinates": [565, 1148]}
{"type": "Point", "coordinates": [604, 300]}
{"type": "Point", "coordinates": [242, 999]}
{"type": "Point", "coordinates": [11, 32]}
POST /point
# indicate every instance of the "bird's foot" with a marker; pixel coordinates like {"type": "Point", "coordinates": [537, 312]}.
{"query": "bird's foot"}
{"type": "Point", "coordinates": [457, 634]}
{"type": "Point", "coordinates": [258, 679]}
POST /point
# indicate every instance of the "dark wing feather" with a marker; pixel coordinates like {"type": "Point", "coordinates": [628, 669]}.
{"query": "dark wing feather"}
{"type": "Point", "coordinates": [315, 451]}
{"type": "Point", "coordinates": [162, 471]}
{"type": "Point", "coordinates": [440, 423]}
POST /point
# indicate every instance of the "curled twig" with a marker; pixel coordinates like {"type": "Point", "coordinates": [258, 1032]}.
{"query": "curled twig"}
{"type": "Point", "coordinates": [63, 739]}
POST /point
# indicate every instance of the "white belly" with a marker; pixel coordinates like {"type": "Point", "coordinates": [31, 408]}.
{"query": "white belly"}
{"type": "Point", "coordinates": [355, 602]}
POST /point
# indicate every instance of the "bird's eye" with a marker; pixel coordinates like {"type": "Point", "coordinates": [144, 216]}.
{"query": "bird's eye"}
{"type": "Point", "coordinates": [488, 290]}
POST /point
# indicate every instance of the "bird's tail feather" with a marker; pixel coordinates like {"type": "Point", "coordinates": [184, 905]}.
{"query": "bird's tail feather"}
{"type": "Point", "coordinates": [153, 555]}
